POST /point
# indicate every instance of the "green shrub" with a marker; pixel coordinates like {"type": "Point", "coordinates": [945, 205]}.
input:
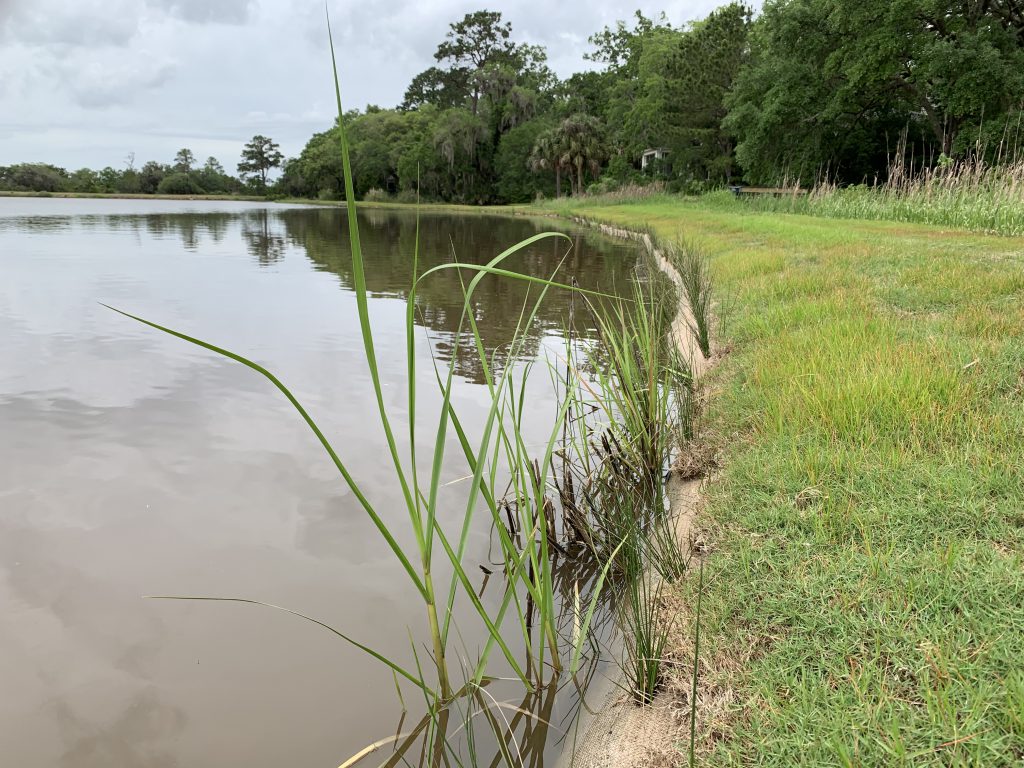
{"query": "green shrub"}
{"type": "Point", "coordinates": [603, 186]}
{"type": "Point", "coordinates": [179, 184]}
{"type": "Point", "coordinates": [407, 196]}
{"type": "Point", "coordinates": [620, 169]}
{"type": "Point", "coordinates": [33, 177]}
{"type": "Point", "coordinates": [691, 187]}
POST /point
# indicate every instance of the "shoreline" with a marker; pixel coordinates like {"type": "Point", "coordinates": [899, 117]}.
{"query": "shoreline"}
{"type": "Point", "coordinates": [426, 208]}
{"type": "Point", "coordinates": [621, 733]}
{"type": "Point", "coordinates": [136, 196]}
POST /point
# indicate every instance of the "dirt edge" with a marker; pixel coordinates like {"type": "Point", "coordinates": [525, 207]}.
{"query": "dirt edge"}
{"type": "Point", "coordinates": [619, 733]}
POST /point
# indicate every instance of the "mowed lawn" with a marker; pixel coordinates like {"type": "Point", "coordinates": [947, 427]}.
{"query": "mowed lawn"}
{"type": "Point", "coordinates": [867, 523]}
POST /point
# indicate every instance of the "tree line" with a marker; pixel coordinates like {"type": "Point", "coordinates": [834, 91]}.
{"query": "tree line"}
{"type": "Point", "coordinates": [807, 89]}
{"type": "Point", "coordinates": [804, 90]}
{"type": "Point", "coordinates": [182, 176]}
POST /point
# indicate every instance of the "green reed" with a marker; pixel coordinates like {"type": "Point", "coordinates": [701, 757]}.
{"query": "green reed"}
{"type": "Point", "coordinates": [628, 415]}
{"type": "Point", "coordinates": [508, 478]}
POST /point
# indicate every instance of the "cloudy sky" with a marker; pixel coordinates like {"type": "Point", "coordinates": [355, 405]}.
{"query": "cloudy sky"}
{"type": "Point", "coordinates": [86, 82]}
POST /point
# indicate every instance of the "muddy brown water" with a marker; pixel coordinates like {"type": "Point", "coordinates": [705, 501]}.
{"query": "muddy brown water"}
{"type": "Point", "coordinates": [132, 463]}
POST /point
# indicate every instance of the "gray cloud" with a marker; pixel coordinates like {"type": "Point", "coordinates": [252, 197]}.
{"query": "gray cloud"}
{"type": "Point", "coordinates": [56, 23]}
{"type": "Point", "coordinates": [103, 82]}
{"type": "Point", "coordinates": [206, 11]}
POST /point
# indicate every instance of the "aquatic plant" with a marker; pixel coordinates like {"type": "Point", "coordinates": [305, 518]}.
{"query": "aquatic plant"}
{"type": "Point", "coordinates": [507, 478]}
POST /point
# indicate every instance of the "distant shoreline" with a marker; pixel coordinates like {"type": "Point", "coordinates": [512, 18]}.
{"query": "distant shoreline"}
{"type": "Point", "coordinates": [435, 207]}
{"type": "Point", "coordinates": [139, 196]}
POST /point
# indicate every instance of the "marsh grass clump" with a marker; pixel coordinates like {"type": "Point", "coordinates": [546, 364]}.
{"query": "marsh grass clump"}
{"type": "Point", "coordinates": [640, 378]}
{"type": "Point", "coordinates": [623, 423]}
{"type": "Point", "coordinates": [646, 402]}
{"type": "Point", "coordinates": [690, 261]}
{"type": "Point", "coordinates": [647, 626]}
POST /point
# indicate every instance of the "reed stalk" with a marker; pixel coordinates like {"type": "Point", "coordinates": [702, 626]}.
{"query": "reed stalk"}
{"type": "Point", "coordinates": [611, 479]}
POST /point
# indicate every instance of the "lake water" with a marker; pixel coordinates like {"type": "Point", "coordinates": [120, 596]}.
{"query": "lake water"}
{"type": "Point", "coordinates": [133, 464]}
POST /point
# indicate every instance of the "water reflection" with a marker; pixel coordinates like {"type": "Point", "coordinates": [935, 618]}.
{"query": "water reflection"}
{"type": "Point", "coordinates": [389, 242]}
{"type": "Point", "coordinates": [131, 463]}
{"type": "Point", "coordinates": [263, 238]}
{"type": "Point", "coordinates": [142, 734]}
{"type": "Point", "coordinates": [78, 717]}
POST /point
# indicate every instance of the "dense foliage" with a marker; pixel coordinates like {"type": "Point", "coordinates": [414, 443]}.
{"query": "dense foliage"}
{"type": "Point", "coordinates": [808, 89]}
{"type": "Point", "coordinates": [489, 122]}
{"type": "Point", "coordinates": [832, 86]}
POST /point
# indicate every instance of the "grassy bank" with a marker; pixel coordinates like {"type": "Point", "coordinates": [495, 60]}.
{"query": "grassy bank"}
{"type": "Point", "coordinates": [864, 601]}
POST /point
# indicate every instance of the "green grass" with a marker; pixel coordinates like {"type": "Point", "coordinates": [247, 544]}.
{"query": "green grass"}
{"type": "Point", "coordinates": [696, 282]}
{"type": "Point", "coordinates": [865, 595]}
{"type": "Point", "coordinates": [981, 210]}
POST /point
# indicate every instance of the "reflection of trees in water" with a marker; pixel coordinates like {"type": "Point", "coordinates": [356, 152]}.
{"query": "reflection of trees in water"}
{"type": "Point", "coordinates": [261, 232]}
{"type": "Point", "coordinates": [191, 228]}
{"type": "Point", "coordinates": [261, 240]}
{"type": "Point", "coordinates": [389, 242]}
{"type": "Point", "coordinates": [35, 223]}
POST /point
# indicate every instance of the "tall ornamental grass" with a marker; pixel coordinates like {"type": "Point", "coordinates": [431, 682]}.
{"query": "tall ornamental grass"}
{"type": "Point", "coordinates": [969, 194]}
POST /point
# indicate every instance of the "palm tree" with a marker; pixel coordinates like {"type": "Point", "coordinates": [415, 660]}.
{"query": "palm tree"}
{"type": "Point", "coordinates": [582, 145]}
{"type": "Point", "coordinates": [547, 155]}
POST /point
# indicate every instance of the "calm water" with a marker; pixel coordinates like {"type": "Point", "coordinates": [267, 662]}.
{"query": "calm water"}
{"type": "Point", "coordinates": [132, 463]}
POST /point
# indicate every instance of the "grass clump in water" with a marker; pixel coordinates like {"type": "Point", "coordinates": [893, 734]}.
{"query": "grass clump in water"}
{"type": "Point", "coordinates": [645, 395]}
